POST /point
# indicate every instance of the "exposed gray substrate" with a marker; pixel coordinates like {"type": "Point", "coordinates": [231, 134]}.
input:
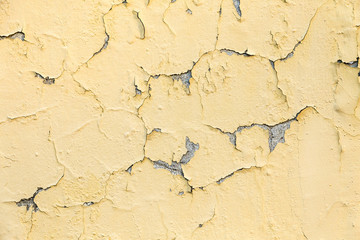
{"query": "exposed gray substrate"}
{"type": "Point", "coordinates": [19, 35]}
{"type": "Point", "coordinates": [353, 64]}
{"type": "Point", "coordinates": [276, 132]}
{"type": "Point", "coordinates": [137, 90]}
{"type": "Point", "coordinates": [272, 64]}
{"type": "Point", "coordinates": [231, 52]}
{"type": "Point", "coordinates": [129, 169]}
{"type": "Point", "coordinates": [191, 148]}
{"type": "Point", "coordinates": [237, 6]}
{"type": "Point", "coordinates": [232, 137]}
{"type": "Point", "coordinates": [184, 77]}
{"type": "Point", "coordinates": [175, 167]}
{"type": "Point", "coordinates": [29, 202]}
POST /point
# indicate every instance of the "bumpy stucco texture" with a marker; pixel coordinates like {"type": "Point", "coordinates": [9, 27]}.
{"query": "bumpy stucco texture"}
{"type": "Point", "coordinates": [179, 119]}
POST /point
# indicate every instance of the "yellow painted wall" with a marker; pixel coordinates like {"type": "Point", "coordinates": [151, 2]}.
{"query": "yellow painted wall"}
{"type": "Point", "coordinates": [179, 119]}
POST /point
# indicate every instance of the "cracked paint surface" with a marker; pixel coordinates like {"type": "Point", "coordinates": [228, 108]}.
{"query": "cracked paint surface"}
{"type": "Point", "coordinates": [180, 119]}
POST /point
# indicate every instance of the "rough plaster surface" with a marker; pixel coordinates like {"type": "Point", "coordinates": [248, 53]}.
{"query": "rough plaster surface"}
{"type": "Point", "coordinates": [179, 119]}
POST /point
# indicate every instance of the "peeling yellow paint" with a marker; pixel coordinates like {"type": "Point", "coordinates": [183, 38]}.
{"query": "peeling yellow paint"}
{"type": "Point", "coordinates": [179, 119]}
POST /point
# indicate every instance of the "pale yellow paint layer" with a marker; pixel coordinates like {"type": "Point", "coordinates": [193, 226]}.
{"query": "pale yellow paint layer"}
{"type": "Point", "coordinates": [179, 119]}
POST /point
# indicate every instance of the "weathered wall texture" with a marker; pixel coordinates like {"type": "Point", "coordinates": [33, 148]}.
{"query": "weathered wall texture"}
{"type": "Point", "coordinates": [179, 119]}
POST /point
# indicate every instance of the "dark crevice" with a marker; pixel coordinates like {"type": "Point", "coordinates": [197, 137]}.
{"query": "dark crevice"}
{"type": "Point", "coordinates": [290, 54]}
{"type": "Point", "coordinates": [184, 77]}
{"type": "Point", "coordinates": [29, 202]}
{"type": "Point", "coordinates": [88, 204]}
{"type": "Point", "coordinates": [175, 167]}
{"type": "Point", "coordinates": [46, 80]}
{"type": "Point", "coordinates": [155, 130]}
{"type": "Point", "coordinates": [231, 52]}
{"type": "Point", "coordinates": [223, 179]}
{"type": "Point", "coordinates": [137, 90]}
{"type": "Point", "coordinates": [276, 135]}
{"type": "Point", "coordinates": [353, 64]}
{"type": "Point", "coordinates": [129, 169]}
{"type": "Point", "coordinates": [276, 132]}
{"type": "Point", "coordinates": [272, 64]}
{"type": "Point", "coordinates": [106, 42]}
{"type": "Point", "coordinates": [19, 35]}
